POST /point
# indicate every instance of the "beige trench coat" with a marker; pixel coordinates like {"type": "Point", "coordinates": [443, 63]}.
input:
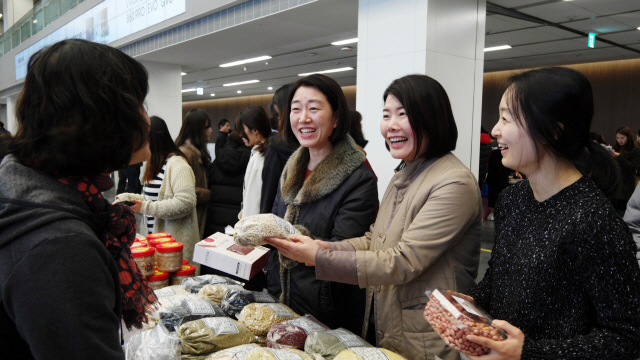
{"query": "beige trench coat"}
{"type": "Point", "coordinates": [427, 234]}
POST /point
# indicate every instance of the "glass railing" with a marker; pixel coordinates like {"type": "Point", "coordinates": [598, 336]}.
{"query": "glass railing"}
{"type": "Point", "coordinates": [41, 16]}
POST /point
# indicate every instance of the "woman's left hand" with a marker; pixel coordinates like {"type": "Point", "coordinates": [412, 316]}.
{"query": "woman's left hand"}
{"type": "Point", "coordinates": [137, 206]}
{"type": "Point", "coordinates": [301, 248]}
{"type": "Point", "coordinates": [509, 349]}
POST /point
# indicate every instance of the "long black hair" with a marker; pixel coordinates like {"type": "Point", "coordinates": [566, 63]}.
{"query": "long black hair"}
{"type": "Point", "coordinates": [555, 106]}
{"type": "Point", "coordinates": [161, 145]}
{"type": "Point", "coordinates": [194, 124]}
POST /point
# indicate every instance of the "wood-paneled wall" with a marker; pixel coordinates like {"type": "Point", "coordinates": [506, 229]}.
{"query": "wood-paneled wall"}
{"type": "Point", "coordinates": [616, 93]}
{"type": "Point", "coordinates": [230, 108]}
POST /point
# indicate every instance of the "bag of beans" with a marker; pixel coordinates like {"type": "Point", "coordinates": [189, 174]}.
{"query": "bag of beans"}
{"type": "Point", "coordinates": [165, 304]}
{"type": "Point", "coordinates": [367, 353]}
{"type": "Point", "coordinates": [454, 316]}
{"type": "Point", "coordinates": [330, 343]}
{"type": "Point", "coordinates": [258, 317]}
{"type": "Point", "coordinates": [277, 354]}
{"type": "Point", "coordinates": [308, 323]}
{"type": "Point", "coordinates": [234, 353]}
{"type": "Point", "coordinates": [212, 334]}
{"type": "Point", "coordinates": [234, 301]}
{"type": "Point", "coordinates": [194, 284]}
{"type": "Point", "coordinates": [251, 231]}
{"type": "Point", "coordinates": [216, 292]}
{"type": "Point", "coordinates": [293, 333]}
{"type": "Point", "coordinates": [188, 310]}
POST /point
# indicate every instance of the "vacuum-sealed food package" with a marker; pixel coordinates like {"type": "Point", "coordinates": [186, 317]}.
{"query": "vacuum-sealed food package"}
{"type": "Point", "coordinates": [206, 335]}
{"type": "Point", "coordinates": [286, 336]}
{"type": "Point", "coordinates": [216, 292]}
{"type": "Point", "coordinates": [166, 303]}
{"type": "Point", "coordinates": [194, 284]}
{"type": "Point", "coordinates": [308, 323]}
{"type": "Point", "coordinates": [170, 291]}
{"type": "Point", "coordinates": [235, 300]}
{"type": "Point", "coordinates": [368, 353]}
{"type": "Point", "coordinates": [330, 343]}
{"type": "Point", "coordinates": [258, 317]}
{"type": "Point", "coordinates": [277, 354]}
{"type": "Point", "coordinates": [153, 344]}
{"type": "Point", "coordinates": [251, 231]}
{"type": "Point", "coordinates": [234, 353]}
{"type": "Point", "coordinates": [454, 316]}
{"type": "Point", "coordinates": [188, 310]}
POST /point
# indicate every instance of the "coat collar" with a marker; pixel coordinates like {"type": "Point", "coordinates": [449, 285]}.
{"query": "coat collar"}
{"type": "Point", "coordinates": [404, 177]}
{"type": "Point", "coordinates": [341, 162]}
{"type": "Point", "coordinates": [187, 144]}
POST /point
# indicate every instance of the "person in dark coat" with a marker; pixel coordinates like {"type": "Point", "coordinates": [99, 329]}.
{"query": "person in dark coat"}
{"type": "Point", "coordinates": [328, 193]}
{"type": "Point", "coordinates": [485, 152]}
{"type": "Point", "coordinates": [224, 127]}
{"type": "Point", "coordinates": [627, 154]}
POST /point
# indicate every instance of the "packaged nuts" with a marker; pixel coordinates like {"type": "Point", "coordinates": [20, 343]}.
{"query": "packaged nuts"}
{"type": "Point", "coordinates": [251, 231]}
{"type": "Point", "coordinates": [367, 353]}
{"type": "Point", "coordinates": [194, 284]}
{"type": "Point", "coordinates": [188, 310]}
{"type": "Point", "coordinates": [169, 256]}
{"type": "Point", "coordinates": [258, 317]}
{"type": "Point", "coordinates": [330, 343]}
{"type": "Point", "coordinates": [454, 316]}
{"type": "Point", "coordinates": [212, 334]}
{"type": "Point", "coordinates": [217, 292]}
{"type": "Point", "coordinates": [235, 300]}
{"type": "Point", "coordinates": [143, 256]}
{"type": "Point", "coordinates": [234, 353]}
{"type": "Point", "coordinates": [277, 354]}
{"type": "Point", "coordinates": [187, 271]}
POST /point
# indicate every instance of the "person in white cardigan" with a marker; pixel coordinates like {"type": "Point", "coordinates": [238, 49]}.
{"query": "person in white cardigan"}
{"type": "Point", "coordinates": [255, 129]}
{"type": "Point", "coordinates": [170, 190]}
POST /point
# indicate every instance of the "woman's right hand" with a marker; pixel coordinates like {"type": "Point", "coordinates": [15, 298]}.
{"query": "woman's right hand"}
{"type": "Point", "coordinates": [323, 244]}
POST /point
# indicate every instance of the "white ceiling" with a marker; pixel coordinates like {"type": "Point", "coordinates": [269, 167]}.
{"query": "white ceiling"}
{"type": "Point", "coordinates": [541, 33]}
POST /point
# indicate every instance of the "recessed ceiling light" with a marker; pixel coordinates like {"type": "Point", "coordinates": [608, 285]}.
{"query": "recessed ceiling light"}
{"type": "Point", "coordinates": [638, 28]}
{"type": "Point", "coordinates": [35, 21]}
{"type": "Point", "coordinates": [345, 42]}
{"type": "Point", "coordinates": [183, 73]}
{"type": "Point", "coordinates": [213, 94]}
{"type": "Point", "coordinates": [501, 47]}
{"type": "Point", "coordinates": [0, 16]}
{"type": "Point", "coordinates": [327, 71]}
{"type": "Point", "coordinates": [239, 91]}
{"type": "Point", "coordinates": [260, 58]}
{"type": "Point", "coordinates": [242, 83]}
{"type": "Point", "coordinates": [188, 90]}
{"type": "Point", "coordinates": [270, 88]}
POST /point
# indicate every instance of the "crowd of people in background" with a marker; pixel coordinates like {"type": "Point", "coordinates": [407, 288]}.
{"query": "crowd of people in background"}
{"type": "Point", "coordinates": [564, 276]}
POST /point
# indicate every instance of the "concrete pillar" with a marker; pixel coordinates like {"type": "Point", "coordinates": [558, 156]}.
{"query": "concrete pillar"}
{"type": "Point", "coordinates": [443, 39]}
{"type": "Point", "coordinates": [165, 96]}
{"type": "Point", "coordinates": [14, 10]}
{"type": "Point", "coordinates": [11, 123]}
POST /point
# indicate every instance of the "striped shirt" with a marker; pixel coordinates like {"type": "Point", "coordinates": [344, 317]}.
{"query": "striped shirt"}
{"type": "Point", "coordinates": [151, 190]}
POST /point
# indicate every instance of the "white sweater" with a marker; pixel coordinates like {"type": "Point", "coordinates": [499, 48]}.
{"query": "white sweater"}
{"type": "Point", "coordinates": [252, 189]}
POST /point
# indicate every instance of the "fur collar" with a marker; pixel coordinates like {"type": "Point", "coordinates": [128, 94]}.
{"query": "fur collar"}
{"type": "Point", "coordinates": [341, 162]}
{"type": "Point", "coordinates": [190, 147]}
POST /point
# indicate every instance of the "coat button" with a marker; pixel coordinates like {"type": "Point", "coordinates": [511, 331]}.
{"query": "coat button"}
{"type": "Point", "coordinates": [379, 336]}
{"type": "Point", "coordinates": [400, 197]}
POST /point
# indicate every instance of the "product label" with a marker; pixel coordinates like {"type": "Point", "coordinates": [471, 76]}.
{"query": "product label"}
{"type": "Point", "coordinates": [282, 354]}
{"type": "Point", "coordinates": [446, 304]}
{"type": "Point", "coordinates": [370, 353]}
{"type": "Point", "coordinates": [307, 325]}
{"type": "Point", "coordinates": [467, 306]}
{"type": "Point", "coordinates": [239, 352]}
{"type": "Point", "coordinates": [284, 224]}
{"type": "Point", "coordinates": [347, 338]}
{"type": "Point", "coordinates": [280, 311]}
{"type": "Point", "coordinates": [261, 297]}
{"type": "Point", "coordinates": [221, 326]}
{"type": "Point", "coordinates": [165, 292]}
{"type": "Point", "coordinates": [200, 307]}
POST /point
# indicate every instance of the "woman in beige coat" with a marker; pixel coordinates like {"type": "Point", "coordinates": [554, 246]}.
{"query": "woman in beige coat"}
{"type": "Point", "coordinates": [427, 233]}
{"type": "Point", "coordinates": [192, 141]}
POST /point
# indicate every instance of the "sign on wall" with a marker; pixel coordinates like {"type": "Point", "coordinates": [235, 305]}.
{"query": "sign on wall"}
{"type": "Point", "coordinates": [105, 23]}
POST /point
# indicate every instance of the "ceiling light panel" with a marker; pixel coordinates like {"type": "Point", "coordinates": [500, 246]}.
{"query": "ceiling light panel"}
{"type": "Point", "coordinates": [345, 42]}
{"type": "Point", "coordinates": [327, 71]}
{"type": "Point", "coordinates": [495, 48]}
{"type": "Point", "coordinates": [235, 63]}
{"type": "Point", "coordinates": [242, 83]}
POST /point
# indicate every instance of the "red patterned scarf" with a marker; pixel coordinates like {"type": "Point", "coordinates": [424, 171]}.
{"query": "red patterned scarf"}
{"type": "Point", "coordinates": [118, 233]}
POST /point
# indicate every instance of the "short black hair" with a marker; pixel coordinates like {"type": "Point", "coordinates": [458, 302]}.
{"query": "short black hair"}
{"type": "Point", "coordinates": [255, 118]}
{"type": "Point", "coordinates": [81, 110]}
{"type": "Point", "coordinates": [429, 112]}
{"type": "Point", "coordinates": [222, 122]}
{"type": "Point", "coordinates": [335, 97]}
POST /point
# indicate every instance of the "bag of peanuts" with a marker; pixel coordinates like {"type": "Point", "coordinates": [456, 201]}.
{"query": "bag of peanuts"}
{"type": "Point", "coordinates": [234, 301]}
{"type": "Point", "coordinates": [330, 343]}
{"type": "Point", "coordinates": [234, 353]}
{"type": "Point", "coordinates": [251, 231]}
{"type": "Point", "coordinates": [216, 292]}
{"type": "Point", "coordinates": [454, 316]}
{"type": "Point", "coordinates": [194, 284]}
{"type": "Point", "coordinates": [212, 334]}
{"type": "Point", "coordinates": [367, 353]}
{"type": "Point", "coordinates": [188, 310]}
{"type": "Point", "coordinates": [258, 317]}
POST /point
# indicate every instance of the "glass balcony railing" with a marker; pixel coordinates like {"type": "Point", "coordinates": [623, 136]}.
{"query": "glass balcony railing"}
{"type": "Point", "coordinates": [41, 16]}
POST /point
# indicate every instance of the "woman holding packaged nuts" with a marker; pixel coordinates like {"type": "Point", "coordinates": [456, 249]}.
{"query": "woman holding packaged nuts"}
{"type": "Point", "coordinates": [563, 276]}
{"type": "Point", "coordinates": [427, 232]}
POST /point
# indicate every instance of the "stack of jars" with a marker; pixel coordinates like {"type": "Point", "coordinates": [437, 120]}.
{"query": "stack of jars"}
{"type": "Point", "coordinates": [159, 258]}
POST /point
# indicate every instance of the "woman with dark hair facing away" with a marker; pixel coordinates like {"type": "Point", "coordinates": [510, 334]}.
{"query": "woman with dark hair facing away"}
{"type": "Point", "coordinates": [192, 141]}
{"type": "Point", "coordinates": [355, 130]}
{"type": "Point", "coordinates": [627, 154]}
{"type": "Point", "coordinates": [427, 233]}
{"type": "Point", "coordinates": [253, 124]}
{"type": "Point", "coordinates": [169, 199]}
{"type": "Point", "coordinates": [563, 278]}
{"type": "Point", "coordinates": [67, 277]}
{"type": "Point", "coordinates": [327, 192]}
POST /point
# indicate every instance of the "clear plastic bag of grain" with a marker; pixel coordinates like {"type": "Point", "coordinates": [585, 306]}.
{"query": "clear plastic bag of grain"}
{"type": "Point", "coordinates": [234, 353]}
{"type": "Point", "coordinates": [368, 353]}
{"type": "Point", "coordinates": [166, 303]}
{"type": "Point", "coordinates": [258, 317]}
{"type": "Point", "coordinates": [188, 310]}
{"type": "Point", "coordinates": [194, 284]}
{"type": "Point", "coordinates": [293, 333]}
{"type": "Point", "coordinates": [330, 343]}
{"type": "Point", "coordinates": [454, 316]}
{"type": "Point", "coordinates": [278, 354]}
{"type": "Point", "coordinates": [235, 300]}
{"type": "Point", "coordinates": [207, 335]}
{"type": "Point", "coordinates": [251, 231]}
{"type": "Point", "coordinates": [216, 292]}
